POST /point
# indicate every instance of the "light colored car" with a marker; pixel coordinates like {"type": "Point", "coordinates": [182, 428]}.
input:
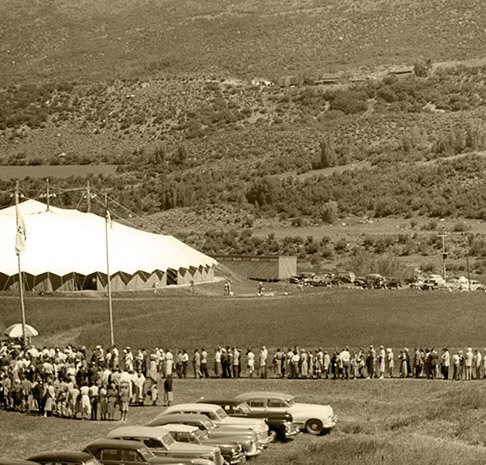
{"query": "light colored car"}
{"type": "Point", "coordinates": [244, 437]}
{"type": "Point", "coordinates": [232, 451]}
{"type": "Point", "coordinates": [162, 444]}
{"type": "Point", "coordinates": [313, 418]}
{"type": "Point", "coordinates": [220, 417]}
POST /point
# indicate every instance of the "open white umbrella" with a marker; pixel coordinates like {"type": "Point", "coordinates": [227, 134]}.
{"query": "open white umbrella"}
{"type": "Point", "coordinates": [15, 331]}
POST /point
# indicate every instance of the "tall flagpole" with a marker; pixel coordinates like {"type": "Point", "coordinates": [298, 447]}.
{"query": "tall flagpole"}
{"type": "Point", "coordinates": [108, 276]}
{"type": "Point", "coordinates": [21, 281]}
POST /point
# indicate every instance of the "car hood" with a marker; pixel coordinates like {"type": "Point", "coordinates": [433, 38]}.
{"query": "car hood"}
{"type": "Point", "coordinates": [250, 423]}
{"type": "Point", "coordinates": [192, 448]}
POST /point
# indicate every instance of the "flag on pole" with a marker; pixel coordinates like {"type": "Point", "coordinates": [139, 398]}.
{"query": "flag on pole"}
{"type": "Point", "coordinates": [20, 235]}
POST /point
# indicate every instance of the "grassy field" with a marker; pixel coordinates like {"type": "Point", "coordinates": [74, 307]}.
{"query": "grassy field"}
{"type": "Point", "coordinates": [380, 421]}
{"type": "Point", "coordinates": [391, 422]}
{"type": "Point", "coordinates": [329, 318]}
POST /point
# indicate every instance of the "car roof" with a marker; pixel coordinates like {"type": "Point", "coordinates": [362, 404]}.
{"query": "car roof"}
{"type": "Point", "coordinates": [61, 455]}
{"type": "Point", "coordinates": [177, 427]}
{"type": "Point", "coordinates": [220, 401]}
{"type": "Point", "coordinates": [9, 461]}
{"type": "Point", "coordinates": [135, 431]}
{"type": "Point", "coordinates": [264, 394]}
{"type": "Point", "coordinates": [115, 443]}
{"type": "Point", "coordinates": [179, 417]}
{"type": "Point", "coordinates": [195, 406]}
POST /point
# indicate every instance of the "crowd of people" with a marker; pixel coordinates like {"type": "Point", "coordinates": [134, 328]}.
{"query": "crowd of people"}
{"type": "Point", "coordinates": [75, 383]}
{"type": "Point", "coordinates": [97, 384]}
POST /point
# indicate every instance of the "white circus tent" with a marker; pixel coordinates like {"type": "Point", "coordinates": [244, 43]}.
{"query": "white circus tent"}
{"type": "Point", "coordinates": [66, 251]}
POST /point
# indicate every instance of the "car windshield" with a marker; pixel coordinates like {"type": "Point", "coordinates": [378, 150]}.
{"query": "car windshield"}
{"type": "Point", "coordinates": [198, 436]}
{"type": "Point", "coordinates": [244, 407]}
{"type": "Point", "coordinates": [92, 461]}
{"type": "Point", "coordinates": [146, 453]}
{"type": "Point", "coordinates": [208, 424]}
{"type": "Point", "coordinates": [221, 414]}
{"type": "Point", "coordinates": [167, 440]}
{"type": "Point", "coordinates": [290, 402]}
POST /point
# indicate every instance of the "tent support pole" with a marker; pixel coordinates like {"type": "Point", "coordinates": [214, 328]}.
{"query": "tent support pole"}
{"type": "Point", "coordinates": [108, 277]}
{"type": "Point", "coordinates": [22, 306]}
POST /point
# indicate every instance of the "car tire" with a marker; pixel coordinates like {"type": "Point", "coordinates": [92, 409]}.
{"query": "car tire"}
{"type": "Point", "coordinates": [313, 426]}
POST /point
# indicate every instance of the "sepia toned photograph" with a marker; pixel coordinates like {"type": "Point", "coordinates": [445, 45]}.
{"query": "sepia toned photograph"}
{"type": "Point", "coordinates": [242, 231]}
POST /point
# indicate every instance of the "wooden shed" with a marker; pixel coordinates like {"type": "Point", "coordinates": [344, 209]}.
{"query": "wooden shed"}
{"type": "Point", "coordinates": [261, 267]}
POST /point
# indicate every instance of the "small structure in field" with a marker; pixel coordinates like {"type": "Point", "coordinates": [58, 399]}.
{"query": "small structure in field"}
{"type": "Point", "coordinates": [261, 267]}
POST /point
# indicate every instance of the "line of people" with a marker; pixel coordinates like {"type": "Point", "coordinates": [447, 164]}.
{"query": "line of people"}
{"type": "Point", "coordinates": [77, 383]}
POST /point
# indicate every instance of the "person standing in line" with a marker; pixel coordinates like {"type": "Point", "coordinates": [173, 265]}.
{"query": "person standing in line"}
{"type": "Point", "coordinates": [370, 362]}
{"type": "Point", "coordinates": [477, 364]}
{"type": "Point", "coordinates": [445, 363]}
{"type": "Point", "coordinates": [236, 363]}
{"type": "Point", "coordinates": [123, 399]}
{"type": "Point", "coordinates": [277, 362]}
{"type": "Point", "coordinates": [304, 364]}
{"type": "Point", "coordinates": [483, 368]}
{"type": "Point", "coordinates": [204, 363]}
{"type": "Point", "coordinates": [93, 397]}
{"type": "Point", "coordinates": [168, 391]}
{"type": "Point", "coordinates": [468, 363]}
{"type": "Point", "coordinates": [169, 363]}
{"type": "Point", "coordinates": [381, 363]}
{"type": "Point", "coordinates": [263, 362]}
{"type": "Point", "coordinates": [196, 364]}
{"type": "Point", "coordinates": [185, 363]}
{"type": "Point", "coordinates": [85, 401]}
{"type": "Point", "coordinates": [250, 362]}
{"type": "Point", "coordinates": [462, 361]}
{"type": "Point", "coordinates": [103, 403]}
{"type": "Point", "coordinates": [390, 361]}
{"type": "Point", "coordinates": [217, 363]}
{"type": "Point", "coordinates": [112, 397]}
{"type": "Point", "coordinates": [455, 367]}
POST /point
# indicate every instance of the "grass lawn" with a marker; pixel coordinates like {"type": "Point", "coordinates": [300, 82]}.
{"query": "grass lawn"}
{"type": "Point", "coordinates": [380, 421]}
{"type": "Point", "coordinates": [328, 318]}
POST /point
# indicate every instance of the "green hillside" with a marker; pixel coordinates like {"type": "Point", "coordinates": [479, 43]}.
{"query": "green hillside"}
{"type": "Point", "coordinates": [162, 97]}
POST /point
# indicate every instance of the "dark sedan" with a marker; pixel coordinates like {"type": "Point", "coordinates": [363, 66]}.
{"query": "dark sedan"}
{"type": "Point", "coordinates": [64, 457]}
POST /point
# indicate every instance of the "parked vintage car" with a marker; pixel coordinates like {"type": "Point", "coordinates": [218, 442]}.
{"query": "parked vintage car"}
{"type": "Point", "coordinates": [280, 424]}
{"type": "Point", "coordinates": [220, 417]}
{"type": "Point", "coordinates": [64, 457]}
{"type": "Point", "coordinates": [162, 444]}
{"type": "Point", "coordinates": [124, 452]}
{"type": "Point", "coordinates": [232, 452]}
{"type": "Point", "coordinates": [242, 436]}
{"type": "Point", "coordinates": [313, 418]}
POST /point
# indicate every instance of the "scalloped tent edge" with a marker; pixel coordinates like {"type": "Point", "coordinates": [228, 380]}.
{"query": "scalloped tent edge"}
{"type": "Point", "coordinates": [65, 253]}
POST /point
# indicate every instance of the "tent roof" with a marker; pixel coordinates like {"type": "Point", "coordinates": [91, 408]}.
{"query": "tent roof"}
{"type": "Point", "coordinates": [63, 241]}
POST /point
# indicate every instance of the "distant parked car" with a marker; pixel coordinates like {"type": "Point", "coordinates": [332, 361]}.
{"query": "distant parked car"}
{"type": "Point", "coordinates": [162, 444]}
{"type": "Point", "coordinates": [64, 457]}
{"type": "Point", "coordinates": [393, 283]}
{"type": "Point", "coordinates": [313, 418]}
{"type": "Point", "coordinates": [280, 424]}
{"type": "Point", "coordinates": [375, 281]}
